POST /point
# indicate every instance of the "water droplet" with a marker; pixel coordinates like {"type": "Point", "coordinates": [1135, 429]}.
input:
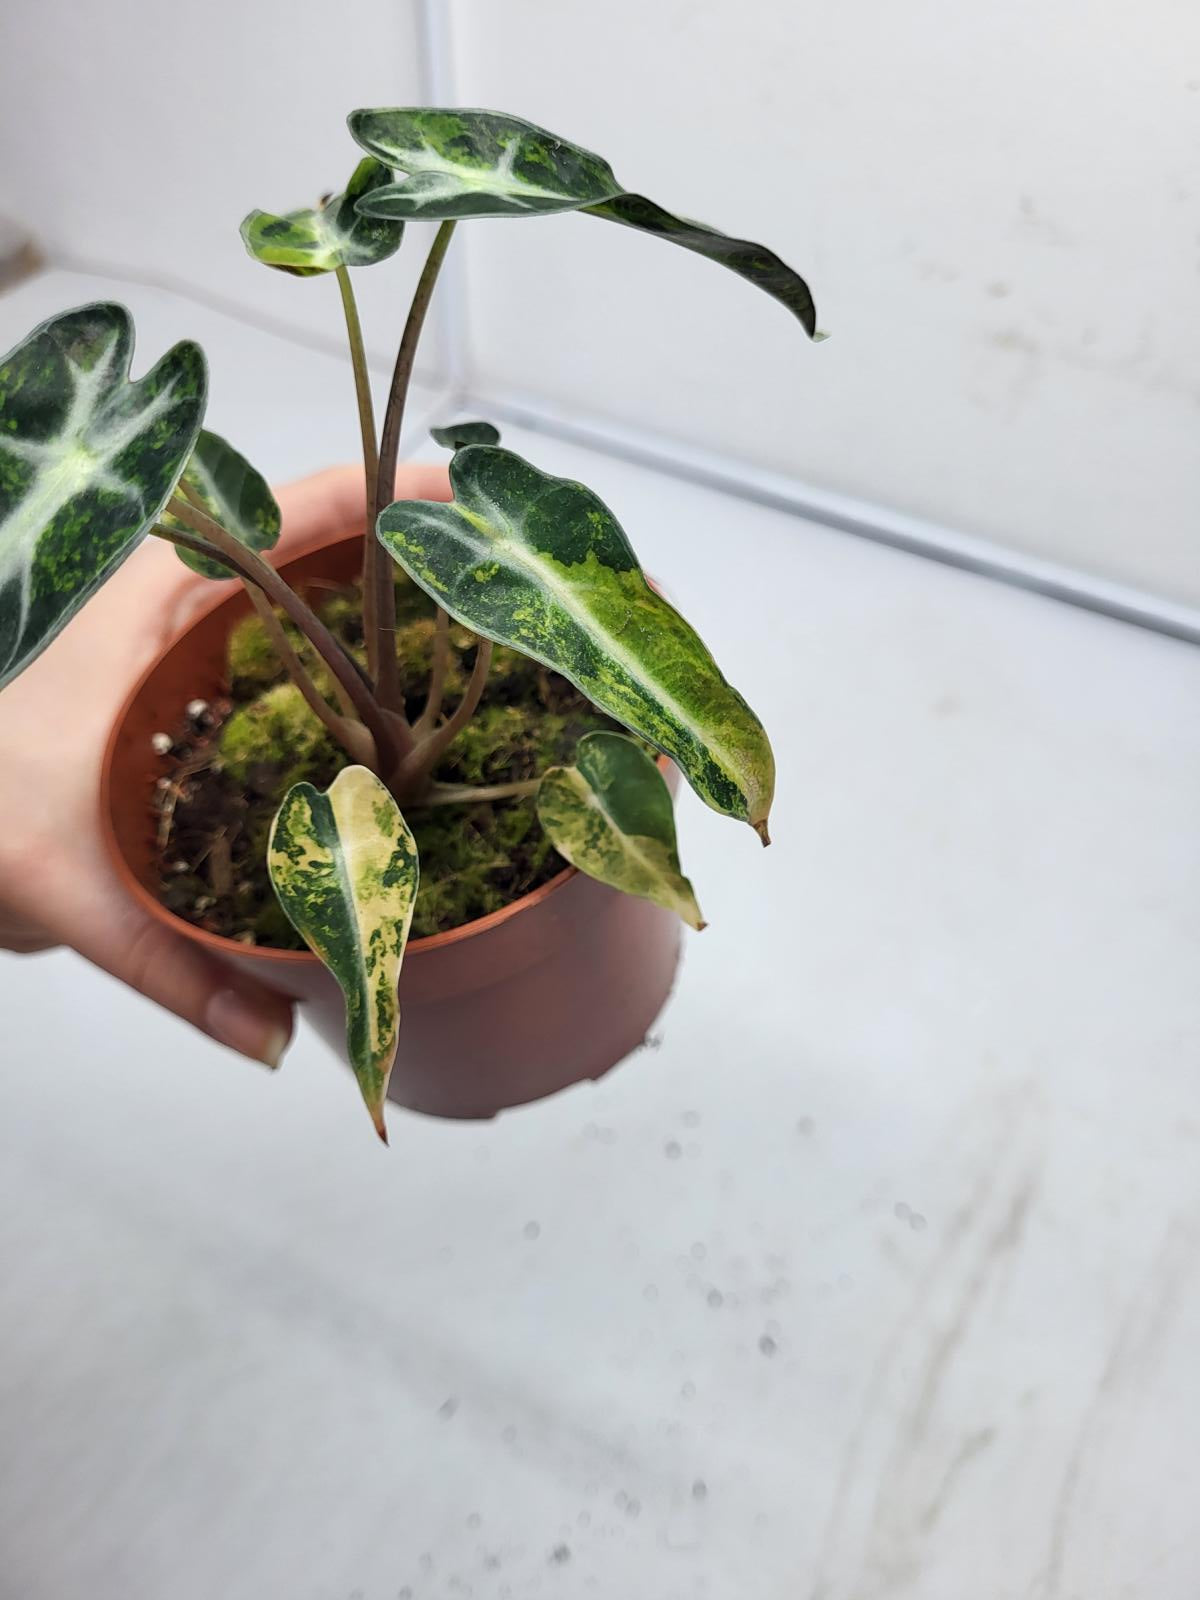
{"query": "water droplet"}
{"type": "Point", "coordinates": [916, 1222]}
{"type": "Point", "coordinates": [650, 1292]}
{"type": "Point", "coordinates": [715, 1298]}
{"type": "Point", "coordinates": [672, 1150]}
{"type": "Point", "coordinates": [560, 1554]}
{"type": "Point", "coordinates": [688, 1391]}
{"type": "Point", "coordinates": [699, 1490]}
{"type": "Point", "coordinates": [509, 1435]}
{"type": "Point", "coordinates": [532, 1230]}
{"type": "Point", "coordinates": [901, 1211]}
{"type": "Point", "coordinates": [767, 1345]}
{"type": "Point", "coordinates": [448, 1407]}
{"type": "Point", "coordinates": [805, 1126]}
{"type": "Point", "coordinates": [691, 1119]}
{"type": "Point", "coordinates": [474, 1520]}
{"type": "Point", "coordinates": [699, 1251]}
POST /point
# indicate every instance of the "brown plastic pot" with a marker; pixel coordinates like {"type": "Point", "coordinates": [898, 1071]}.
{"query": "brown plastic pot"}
{"type": "Point", "coordinates": [555, 988]}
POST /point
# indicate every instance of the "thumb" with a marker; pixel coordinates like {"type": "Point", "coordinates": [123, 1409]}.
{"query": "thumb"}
{"type": "Point", "coordinates": [232, 1008]}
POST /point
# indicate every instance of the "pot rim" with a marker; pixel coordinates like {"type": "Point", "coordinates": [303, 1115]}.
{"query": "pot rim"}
{"type": "Point", "coordinates": [216, 941]}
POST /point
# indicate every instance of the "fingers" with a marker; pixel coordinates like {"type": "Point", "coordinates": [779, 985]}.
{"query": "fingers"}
{"type": "Point", "coordinates": [232, 1008]}
{"type": "Point", "coordinates": [22, 935]}
{"type": "Point", "coordinates": [334, 502]}
{"type": "Point", "coordinates": [24, 942]}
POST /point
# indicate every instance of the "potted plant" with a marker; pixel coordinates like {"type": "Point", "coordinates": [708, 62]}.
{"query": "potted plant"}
{"type": "Point", "coordinates": [487, 691]}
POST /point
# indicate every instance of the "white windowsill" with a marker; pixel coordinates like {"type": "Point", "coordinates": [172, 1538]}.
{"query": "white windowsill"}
{"type": "Point", "coordinates": [881, 1266]}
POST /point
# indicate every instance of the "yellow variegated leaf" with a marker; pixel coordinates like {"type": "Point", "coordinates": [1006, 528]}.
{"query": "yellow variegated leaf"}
{"type": "Point", "coordinates": [611, 816]}
{"type": "Point", "coordinates": [541, 564]}
{"type": "Point", "coordinates": [344, 866]}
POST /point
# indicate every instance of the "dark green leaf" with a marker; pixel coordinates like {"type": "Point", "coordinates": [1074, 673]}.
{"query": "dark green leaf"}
{"type": "Point", "coordinates": [87, 462]}
{"type": "Point", "coordinates": [323, 238]}
{"type": "Point", "coordinates": [485, 164]}
{"type": "Point", "coordinates": [460, 434]}
{"type": "Point", "coordinates": [754, 262]}
{"type": "Point", "coordinates": [475, 164]}
{"type": "Point", "coordinates": [234, 494]}
{"type": "Point", "coordinates": [541, 564]}
{"type": "Point", "coordinates": [611, 816]}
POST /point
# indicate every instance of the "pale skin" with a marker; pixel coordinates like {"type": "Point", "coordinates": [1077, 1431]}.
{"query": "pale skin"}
{"type": "Point", "coordinates": [56, 885]}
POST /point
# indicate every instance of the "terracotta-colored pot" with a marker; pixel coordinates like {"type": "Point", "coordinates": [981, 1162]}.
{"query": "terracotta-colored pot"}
{"type": "Point", "coordinates": [555, 988]}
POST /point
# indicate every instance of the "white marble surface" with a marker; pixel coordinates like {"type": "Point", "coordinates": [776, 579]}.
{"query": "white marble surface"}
{"type": "Point", "coordinates": [878, 1276]}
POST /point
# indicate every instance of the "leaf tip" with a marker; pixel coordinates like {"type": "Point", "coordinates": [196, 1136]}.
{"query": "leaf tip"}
{"type": "Point", "coordinates": [819, 337]}
{"type": "Point", "coordinates": [760, 829]}
{"type": "Point", "coordinates": [380, 1125]}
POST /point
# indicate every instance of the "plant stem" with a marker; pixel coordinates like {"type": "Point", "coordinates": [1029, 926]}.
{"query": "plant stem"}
{"type": "Point", "coordinates": [349, 732]}
{"type": "Point", "coordinates": [377, 574]}
{"type": "Point", "coordinates": [452, 794]}
{"type": "Point", "coordinates": [279, 639]}
{"type": "Point", "coordinates": [393, 418]}
{"type": "Point", "coordinates": [347, 705]}
{"type": "Point", "coordinates": [437, 676]}
{"type": "Point", "coordinates": [388, 733]}
{"type": "Point", "coordinates": [421, 761]}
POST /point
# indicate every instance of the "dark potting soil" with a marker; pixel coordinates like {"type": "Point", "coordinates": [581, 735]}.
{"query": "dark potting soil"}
{"type": "Point", "coordinates": [227, 765]}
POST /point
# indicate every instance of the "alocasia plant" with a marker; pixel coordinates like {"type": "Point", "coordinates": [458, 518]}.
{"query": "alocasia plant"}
{"type": "Point", "coordinates": [92, 461]}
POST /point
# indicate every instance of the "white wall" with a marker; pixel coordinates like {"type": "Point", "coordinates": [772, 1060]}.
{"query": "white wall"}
{"type": "Point", "coordinates": [997, 205]}
{"type": "Point", "coordinates": [138, 133]}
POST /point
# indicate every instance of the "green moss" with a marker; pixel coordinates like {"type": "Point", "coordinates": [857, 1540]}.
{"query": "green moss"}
{"type": "Point", "coordinates": [342, 615]}
{"type": "Point", "coordinates": [412, 602]}
{"type": "Point", "coordinates": [276, 741]}
{"type": "Point", "coordinates": [253, 664]}
{"type": "Point", "coordinates": [270, 925]}
{"type": "Point", "coordinates": [477, 859]}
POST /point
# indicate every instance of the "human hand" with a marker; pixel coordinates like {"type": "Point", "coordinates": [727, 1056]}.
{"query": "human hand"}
{"type": "Point", "coordinates": [56, 884]}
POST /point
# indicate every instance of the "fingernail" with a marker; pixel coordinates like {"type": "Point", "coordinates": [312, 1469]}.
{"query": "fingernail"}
{"type": "Point", "coordinates": [231, 1019]}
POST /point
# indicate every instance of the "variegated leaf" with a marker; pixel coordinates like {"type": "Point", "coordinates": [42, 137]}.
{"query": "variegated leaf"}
{"type": "Point", "coordinates": [611, 816]}
{"type": "Point", "coordinates": [344, 866]}
{"type": "Point", "coordinates": [754, 262]}
{"type": "Point", "coordinates": [475, 164]}
{"type": "Point", "coordinates": [88, 459]}
{"type": "Point", "coordinates": [459, 434]}
{"type": "Point", "coordinates": [323, 238]}
{"type": "Point", "coordinates": [234, 493]}
{"type": "Point", "coordinates": [541, 564]}
{"type": "Point", "coordinates": [485, 164]}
